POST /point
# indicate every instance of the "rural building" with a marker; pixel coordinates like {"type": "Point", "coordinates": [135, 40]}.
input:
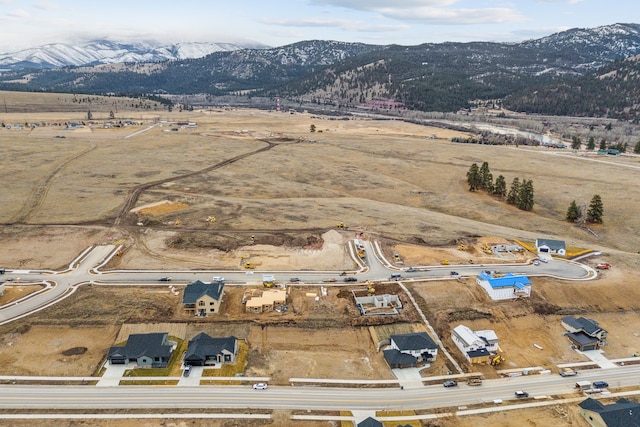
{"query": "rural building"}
{"type": "Point", "coordinates": [204, 350]}
{"type": "Point", "coordinates": [585, 334]}
{"type": "Point", "coordinates": [623, 413]}
{"type": "Point", "coordinates": [549, 246]}
{"type": "Point", "coordinates": [476, 346]}
{"type": "Point", "coordinates": [508, 286]}
{"type": "Point", "coordinates": [264, 300]}
{"type": "Point", "coordinates": [410, 350]}
{"type": "Point", "coordinates": [146, 350]}
{"type": "Point", "coordinates": [202, 298]}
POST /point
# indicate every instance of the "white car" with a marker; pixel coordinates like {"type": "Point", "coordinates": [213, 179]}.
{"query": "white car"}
{"type": "Point", "coordinates": [217, 279]}
{"type": "Point", "coordinates": [260, 386]}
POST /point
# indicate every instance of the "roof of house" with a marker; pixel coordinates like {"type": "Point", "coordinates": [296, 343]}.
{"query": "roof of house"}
{"type": "Point", "coordinates": [194, 291]}
{"type": "Point", "coordinates": [370, 422]}
{"type": "Point", "coordinates": [551, 244]}
{"type": "Point", "coordinates": [394, 357]}
{"type": "Point", "coordinates": [481, 352]}
{"type": "Point", "coordinates": [587, 325]}
{"type": "Point", "coordinates": [487, 335]}
{"type": "Point", "coordinates": [582, 338]}
{"type": "Point", "coordinates": [202, 345]}
{"type": "Point", "coordinates": [509, 280]}
{"type": "Point", "coordinates": [623, 413]}
{"type": "Point", "coordinates": [467, 336]}
{"type": "Point", "coordinates": [138, 345]}
{"type": "Point", "coordinates": [414, 341]}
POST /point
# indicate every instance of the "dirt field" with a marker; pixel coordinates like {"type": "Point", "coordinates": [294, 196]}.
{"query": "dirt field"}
{"type": "Point", "coordinates": [403, 184]}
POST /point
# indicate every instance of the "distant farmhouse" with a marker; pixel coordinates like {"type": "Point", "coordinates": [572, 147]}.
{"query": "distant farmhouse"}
{"type": "Point", "coordinates": [548, 246]}
{"type": "Point", "coordinates": [476, 346]}
{"type": "Point", "coordinates": [585, 334]}
{"type": "Point", "coordinates": [504, 287]}
{"type": "Point", "coordinates": [203, 298]}
{"type": "Point", "coordinates": [410, 350]}
{"type": "Point", "coordinates": [623, 413]}
{"type": "Point", "coordinates": [146, 350]}
{"type": "Point", "coordinates": [204, 350]}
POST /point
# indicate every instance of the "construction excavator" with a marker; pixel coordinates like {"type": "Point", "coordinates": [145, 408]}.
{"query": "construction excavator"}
{"type": "Point", "coordinates": [370, 289]}
{"type": "Point", "coordinates": [495, 360]}
{"type": "Point", "coordinates": [341, 225]}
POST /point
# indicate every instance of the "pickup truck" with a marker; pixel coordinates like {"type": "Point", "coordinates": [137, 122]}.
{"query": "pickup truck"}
{"type": "Point", "coordinates": [568, 372]}
{"type": "Point", "coordinates": [474, 381]}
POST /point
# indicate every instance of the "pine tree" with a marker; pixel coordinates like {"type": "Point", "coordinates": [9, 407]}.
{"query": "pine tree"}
{"type": "Point", "coordinates": [591, 145]}
{"type": "Point", "coordinates": [473, 177]}
{"type": "Point", "coordinates": [514, 191]}
{"type": "Point", "coordinates": [576, 142]}
{"type": "Point", "coordinates": [573, 212]}
{"type": "Point", "coordinates": [486, 177]}
{"type": "Point", "coordinates": [603, 144]}
{"type": "Point", "coordinates": [636, 149]}
{"type": "Point", "coordinates": [525, 195]}
{"type": "Point", "coordinates": [596, 210]}
{"type": "Point", "coordinates": [500, 187]}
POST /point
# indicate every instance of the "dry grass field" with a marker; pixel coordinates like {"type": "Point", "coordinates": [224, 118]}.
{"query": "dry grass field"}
{"type": "Point", "coordinates": [265, 174]}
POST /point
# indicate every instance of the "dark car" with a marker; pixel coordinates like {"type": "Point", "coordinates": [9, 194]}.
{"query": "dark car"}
{"type": "Point", "coordinates": [294, 280]}
{"type": "Point", "coordinates": [600, 384]}
{"type": "Point", "coordinates": [520, 394]}
{"type": "Point", "coordinates": [2, 270]}
{"type": "Point", "coordinates": [187, 371]}
{"type": "Point", "coordinates": [350, 279]}
{"type": "Point", "coordinates": [450, 383]}
{"type": "Point", "coordinates": [164, 279]}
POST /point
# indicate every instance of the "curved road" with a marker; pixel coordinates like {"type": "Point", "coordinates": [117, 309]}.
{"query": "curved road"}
{"type": "Point", "coordinates": [86, 269]}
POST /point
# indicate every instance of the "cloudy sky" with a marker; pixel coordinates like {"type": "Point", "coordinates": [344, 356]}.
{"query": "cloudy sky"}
{"type": "Point", "coordinates": [26, 23]}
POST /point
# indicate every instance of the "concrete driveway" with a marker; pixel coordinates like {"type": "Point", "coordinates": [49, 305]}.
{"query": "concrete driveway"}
{"type": "Point", "coordinates": [113, 374]}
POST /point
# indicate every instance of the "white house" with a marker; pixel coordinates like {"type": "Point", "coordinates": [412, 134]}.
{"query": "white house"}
{"type": "Point", "coordinates": [476, 346]}
{"type": "Point", "coordinates": [504, 287]}
{"type": "Point", "coordinates": [549, 246]}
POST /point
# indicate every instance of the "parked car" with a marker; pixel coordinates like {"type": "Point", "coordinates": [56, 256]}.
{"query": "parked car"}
{"type": "Point", "coordinates": [294, 280]}
{"type": "Point", "coordinates": [2, 270]}
{"type": "Point", "coordinates": [164, 279]}
{"type": "Point", "coordinates": [600, 384]}
{"type": "Point", "coordinates": [351, 279]}
{"type": "Point", "coordinates": [520, 394]}
{"type": "Point", "coordinates": [260, 386]}
{"type": "Point", "coordinates": [536, 262]}
{"type": "Point", "coordinates": [187, 371]}
{"type": "Point", "coordinates": [450, 383]}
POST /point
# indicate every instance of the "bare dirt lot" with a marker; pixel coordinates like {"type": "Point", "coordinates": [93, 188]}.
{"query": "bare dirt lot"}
{"type": "Point", "coordinates": [403, 184]}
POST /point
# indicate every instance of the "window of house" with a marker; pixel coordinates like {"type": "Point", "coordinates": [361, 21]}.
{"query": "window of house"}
{"type": "Point", "coordinates": [201, 303]}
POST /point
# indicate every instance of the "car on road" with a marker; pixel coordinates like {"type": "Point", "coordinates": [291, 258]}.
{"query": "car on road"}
{"type": "Point", "coordinates": [450, 383]}
{"type": "Point", "coordinates": [600, 384]}
{"type": "Point", "coordinates": [260, 386]}
{"type": "Point", "coordinates": [2, 270]}
{"type": "Point", "coordinates": [187, 371]}
{"type": "Point", "coordinates": [294, 280]}
{"type": "Point", "coordinates": [536, 262]}
{"type": "Point", "coordinates": [332, 280]}
{"type": "Point", "coordinates": [411, 269]}
{"type": "Point", "coordinates": [454, 273]}
{"type": "Point", "coordinates": [520, 394]}
{"type": "Point", "coordinates": [217, 279]}
{"type": "Point", "coordinates": [568, 372]}
{"type": "Point", "coordinates": [395, 276]}
{"type": "Point", "coordinates": [164, 279]}
{"type": "Point", "coordinates": [351, 279]}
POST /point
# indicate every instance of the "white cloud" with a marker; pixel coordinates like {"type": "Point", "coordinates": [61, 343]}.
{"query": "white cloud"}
{"type": "Point", "coordinates": [46, 5]}
{"type": "Point", "coordinates": [559, 1]}
{"type": "Point", "coordinates": [343, 24]}
{"type": "Point", "coordinates": [376, 5]}
{"type": "Point", "coordinates": [432, 15]}
{"type": "Point", "coordinates": [18, 14]}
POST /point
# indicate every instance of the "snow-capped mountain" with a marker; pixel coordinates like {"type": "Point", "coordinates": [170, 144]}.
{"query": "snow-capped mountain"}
{"type": "Point", "coordinates": [106, 51]}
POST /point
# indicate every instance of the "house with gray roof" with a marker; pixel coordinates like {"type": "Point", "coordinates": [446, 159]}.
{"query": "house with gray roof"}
{"type": "Point", "coordinates": [146, 350]}
{"type": "Point", "coordinates": [410, 350]}
{"type": "Point", "coordinates": [550, 246]}
{"type": "Point", "coordinates": [203, 298]}
{"type": "Point", "coordinates": [585, 334]}
{"type": "Point", "coordinates": [623, 413]}
{"type": "Point", "coordinates": [204, 350]}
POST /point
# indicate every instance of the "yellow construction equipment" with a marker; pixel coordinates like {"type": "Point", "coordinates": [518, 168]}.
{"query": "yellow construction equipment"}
{"type": "Point", "coordinates": [361, 253]}
{"type": "Point", "coordinates": [211, 219]}
{"type": "Point", "coordinates": [341, 225]}
{"type": "Point", "coordinates": [178, 222]}
{"type": "Point", "coordinates": [445, 262]}
{"type": "Point", "coordinates": [370, 289]}
{"type": "Point", "coordinates": [249, 266]}
{"type": "Point", "coordinates": [268, 280]}
{"type": "Point", "coordinates": [462, 247]}
{"type": "Point", "coordinates": [486, 249]}
{"type": "Point", "coordinates": [495, 360]}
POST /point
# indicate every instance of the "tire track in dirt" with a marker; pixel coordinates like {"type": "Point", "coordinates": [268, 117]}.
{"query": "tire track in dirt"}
{"type": "Point", "coordinates": [39, 195]}
{"type": "Point", "coordinates": [135, 192]}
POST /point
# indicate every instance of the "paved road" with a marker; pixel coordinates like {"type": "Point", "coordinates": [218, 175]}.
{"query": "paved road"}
{"type": "Point", "coordinates": [86, 269]}
{"type": "Point", "coordinates": [315, 398]}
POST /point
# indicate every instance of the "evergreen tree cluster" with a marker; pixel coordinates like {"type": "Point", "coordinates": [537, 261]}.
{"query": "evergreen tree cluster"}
{"type": "Point", "coordinates": [594, 212]}
{"type": "Point", "coordinates": [520, 193]}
